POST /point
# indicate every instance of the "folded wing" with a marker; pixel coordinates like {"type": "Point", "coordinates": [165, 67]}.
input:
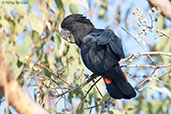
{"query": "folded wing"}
{"type": "Point", "coordinates": [108, 37]}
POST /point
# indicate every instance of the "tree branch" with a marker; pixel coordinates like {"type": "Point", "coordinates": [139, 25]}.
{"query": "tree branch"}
{"type": "Point", "coordinates": [151, 59]}
{"type": "Point", "coordinates": [80, 103]}
{"type": "Point", "coordinates": [133, 56]}
{"type": "Point", "coordinates": [145, 80]}
{"type": "Point", "coordinates": [16, 97]}
{"type": "Point", "coordinates": [93, 76]}
{"type": "Point", "coordinates": [163, 7]}
{"type": "Point", "coordinates": [155, 67]}
{"type": "Point", "coordinates": [149, 66]}
{"type": "Point", "coordinates": [91, 88]}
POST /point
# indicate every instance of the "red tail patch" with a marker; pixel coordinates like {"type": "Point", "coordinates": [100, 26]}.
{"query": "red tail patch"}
{"type": "Point", "coordinates": [107, 80]}
{"type": "Point", "coordinates": [126, 79]}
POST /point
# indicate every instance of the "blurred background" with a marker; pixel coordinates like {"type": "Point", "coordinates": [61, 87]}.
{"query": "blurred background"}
{"type": "Point", "coordinates": [30, 31]}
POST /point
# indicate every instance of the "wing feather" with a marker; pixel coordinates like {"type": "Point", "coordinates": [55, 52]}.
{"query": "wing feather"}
{"type": "Point", "coordinates": [108, 37]}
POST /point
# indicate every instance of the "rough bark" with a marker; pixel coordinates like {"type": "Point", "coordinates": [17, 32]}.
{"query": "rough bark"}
{"type": "Point", "coordinates": [163, 7]}
{"type": "Point", "coordinates": [13, 92]}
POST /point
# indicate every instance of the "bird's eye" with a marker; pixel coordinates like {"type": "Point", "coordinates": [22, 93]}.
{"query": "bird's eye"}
{"type": "Point", "coordinates": [69, 38]}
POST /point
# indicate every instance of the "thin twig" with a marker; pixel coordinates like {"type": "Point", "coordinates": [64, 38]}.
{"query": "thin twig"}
{"type": "Point", "coordinates": [133, 56]}
{"type": "Point", "coordinates": [157, 79]}
{"type": "Point", "coordinates": [164, 74]}
{"type": "Point", "coordinates": [98, 90]}
{"type": "Point", "coordinates": [164, 34]}
{"type": "Point", "coordinates": [148, 66]}
{"type": "Point", "coordinates": [54, 74]}
{"type": "Point", "coordinates": [92, 107]}
{"type": "Point", "coordinates": [144, 86]}
{"type": "Point", "coordinates": [85, 83]}
{"type": "Point", "coordinates": [91, 88]}
{"type": "Point", "coordinates": [136, 41]}
{"type": "Point", "coordinates": [88, 92]}
{"type": "Point", "coordinates": [145, 80]}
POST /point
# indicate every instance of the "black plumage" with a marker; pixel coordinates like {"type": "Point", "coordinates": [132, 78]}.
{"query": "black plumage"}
{"type": "Point", "coordinates": [101, 51]}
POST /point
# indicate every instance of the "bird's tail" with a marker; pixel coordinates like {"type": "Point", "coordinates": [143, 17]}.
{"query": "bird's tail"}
{"type": "Point", "coordinates": [117, 84]}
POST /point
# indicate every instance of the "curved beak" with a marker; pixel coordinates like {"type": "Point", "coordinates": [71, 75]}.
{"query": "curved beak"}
{"type": "Point", "coordinates": [67, 35]}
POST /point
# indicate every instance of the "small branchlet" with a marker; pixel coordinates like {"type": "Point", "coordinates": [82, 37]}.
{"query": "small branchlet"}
{"type": "Point", "coordinates": [146, 27]}
{"type": "Point", "coordinates": [47, 85]}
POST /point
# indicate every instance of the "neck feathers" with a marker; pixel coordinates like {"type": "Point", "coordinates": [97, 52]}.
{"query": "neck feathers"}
{"type": "Point", "coordinates": [80, 30]}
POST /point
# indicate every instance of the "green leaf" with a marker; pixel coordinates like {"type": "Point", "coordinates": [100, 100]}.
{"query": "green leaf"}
{"type": "Point", "coordinates": [70, 74]}
{"type": "Point", "coordinates": [118, 11]}
{"type": "Point", "coordinates": [35, 36]}
{"type": "Point", "coordinates": [116, 111]}
{"type": "Point", "coordinates": [51, 61]}
{"type": "Point", "coordinates": [60, 8]}
{"type": "Point", "coordinates": [126, 17]}
{"type": "Point", "coordinates": [30, 4]}
{"type": "Point", "coordinates": [57, 41]}
{"type": "Point", "coordinates": [21, 25]}
{"type": "Point", "coordinates": [36, 23]}
{"type": "Point", "coordinates": [73, 8]}
{"type": "Point", "coordinates": [51, 110]}
{"type": "Point", "coordinates": [161, 22]}
{"type": "Point", "coordinates": [20, 9]}
{"type": "Point", "coordinates": [15, 68]}
{"type": "Point", "coordinates": [59, 4]}
{"type": "Point", "coordinates": [111, 112]}
{"type": "Point", "coordinates": [24, 50]}
{"type": "Point", "coordinates": [164, 44]}
{"type": "Point", "coordinates": [0, 97]}
{"type": "Point", "coordinates": [130, 108]}
{"type": "Point", "coordinates": [102, 12]}
{"type": "Point", "coordinates": [8, 23]}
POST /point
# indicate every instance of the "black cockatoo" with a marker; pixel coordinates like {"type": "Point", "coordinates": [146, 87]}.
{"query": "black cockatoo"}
{"type": "Point", "coordinates": [101, 51]}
